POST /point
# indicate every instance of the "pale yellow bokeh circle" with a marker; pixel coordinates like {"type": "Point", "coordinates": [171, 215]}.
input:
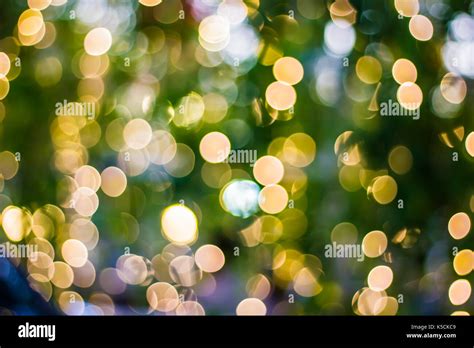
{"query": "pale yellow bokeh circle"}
{"type": "Point", "coordinates": [470, 144]}
{"type": "Point", "coordinates": [273, 199]}
{"type": "Point", "coordinates": [368, 301]}
{"type": "Point", "coordinates": [39, 4]}
{"type": "Point", "coordinates": [4, 64]}
{"type": "Point", "coordinates": [459, 292]}
{"type": "Point", "coordinates": [421, 28]}
{"type": "Point", "coordinates": [299, 150]}
{"type": "Point", "coordinates": [150, 3]}
{"type": "Point", "coordinates": [98, 41]}
{"type": "Point", "coordinates": [74, 252]}
{"type": "Point", "coordinates": [400, 159]}
{"type": "Point", "coordinates": [407, 8]}
{"type": "Point", "coordinates": [403, 70]}
{"type": "Point", "coordinates": [209, 258]}
{"type": "Point", "coordinates": [8, 165]}
{"type": "Point", "coordinates": [63, 275]}
{"type": "Point", "coordinates": [251, 306]}
{"type": "Point", "coordinates": [268, 170]}
{"type": "Point", "coordinates": [258, 286]}
{"type": "Point", "coordinates": [182, 164]}
{"type": "Point", "coordinates": [453, 88]}
{"type": "Point", "coordinates": [190, 308]}
{"type": "Point", "coordinates": [459, 225]}
{"type": "Point", "coordinates": [162, 297]}
{"type": "Point", "coordinates": [384, 189]}
{"type": "Point", "coordinates": [214, 147]}
{"type": "Point", "coordinates": [386, 306]}
{"type": "Point", "coordinates": [4, 87]}
{"type": "Point", "coordinates": [137, 133]}
{"type": "Point", "coordinates": [280, 96]}
{"type": "Point", "coordinates": [216, 107]}
{"type": "Point", "coordinates": [113, 181]}
{"type": "Point", "coordinates": [162, 147]}
{"type": "Point", "coordinates": [30, 23]}
{"type": "Point", "coordinates": [88, 176]}
{"type": "Point", "coordinates": [71, 303]}
{"type": "Point", "coordinates": [374, 244]}
{"type": "Point", "coordinates": [305, 283]}
{"type": "Point", "coordinates": [380, 278]}
{"type": "Point", "coordinates": [16, 223]}
{"type": "Point", "coordinates": [409, 95]}
{"type": "Point", "coordinates": [288, 70]}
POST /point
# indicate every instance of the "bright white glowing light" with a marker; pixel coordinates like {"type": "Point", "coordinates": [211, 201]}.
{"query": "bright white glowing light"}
{"type": "Point", "coordinates": [457, 52]}
{"type": "Point", "coordinates": [339, 39]}
{"type": "Point", "coordinates": [240, 198]}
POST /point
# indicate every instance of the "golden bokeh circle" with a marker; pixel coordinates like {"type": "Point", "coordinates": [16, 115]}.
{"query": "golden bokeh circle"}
{"type": "Point", "coordinates": [251, 306]}
{"type": "Point", "coordinates": [98, 41]}
{"type": "Point", "coordinates": [453, 88]}
{"type": "Point", "coordinates": [74, 252]}
{"type": "Point", "coordinates": [403, 70]}
{"type": "Point", "coordinates": [162, 297]}
{"type": "Point", "coordinates": [273, 199]}
{"type": "Point", "coordinates": [374, 244]}
{"type": "Point", "coordinates": [214, 147]}
{"type": "Point", "coordinates": [463, 262]}
{"type": "Point", "coordinates": [209, 258]}
{"type": "Point", "coordinates": [369, 69]}
{"type": "Point", "coordinates": [113, 181]}
{"type": "Point", "coordinates": [384, 189]}
{"type": "Point", "coordinates": [459, 225]}
{"type": "Point", "coordinates": [459, 292]}
{"type": "Point", "coordinates": [268, 170]}
{"type": "Point", "coordinates": [409, 95]}
{"type": "Point", "coordinates": [288, 70]}
{"type": "Point", "coordinates": [299, 150]}
{"type": "Point", "coordinates": [421, 28]}
{"type": "Point", "coordinates": [16, 223]}
{"type": "Point", "coordinates": [400, 159]}
{"type": "Point", "coordinates": [280, 96]}
{"type": "Point", "coordinates": [407, 8]}
{"type": "Point", "coordinates": [380, 278]}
